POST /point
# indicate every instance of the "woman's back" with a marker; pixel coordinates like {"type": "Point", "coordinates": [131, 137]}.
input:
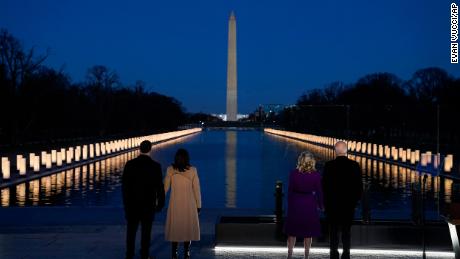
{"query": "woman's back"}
{"type": "Point", "coordinates": [182, 222]}
{"type": "Point", "coordinates": [304, 182]}
{"type": "Point", "coordinates": [304, 200]}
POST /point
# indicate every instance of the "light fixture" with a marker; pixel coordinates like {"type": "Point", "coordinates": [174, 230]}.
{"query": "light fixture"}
{"type": "Point", "coordinates": [320, 250]}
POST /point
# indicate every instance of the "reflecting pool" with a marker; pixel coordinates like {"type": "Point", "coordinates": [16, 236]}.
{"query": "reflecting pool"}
{"type": "Point", "coordinates": [237, 169]}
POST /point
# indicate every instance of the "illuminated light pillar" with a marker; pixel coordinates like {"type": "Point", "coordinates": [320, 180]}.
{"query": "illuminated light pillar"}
{"type": "Point", "coordinates": [72, 153]}
{"type": "Point", "coordinates": [403, 156]}
{"type": "Point", "coordinates": [63, 154]}
{"type": "Point", "coordinates": [417, 155]}
{"type": "Point", "coordinates": [436, 160]}
{"type": "Point", "coordinates": [424, 160]}
{"type": "Point", "coordinates": [387, 152]}
{"type": "Point", "coordinates": [68, 156]}
{"type": "Point", "coordinates": [448, 163]}
{"type": "Point", "coordinates": [31, 160]}
{"type": "Point", "coordinates": [98, 149]}
{"type": "Point", "coordinates": [43, 157]}
{"type": "Point", "coordinates": [36, 164]}
{"type": "Point", "coordinates": [429, 156]}
{"type": "Point", "coordinates": [413, 158]}
{"type": "Point", "coordinates": [409, 154]}
{"type": "Point", "coordinates": [353, 146]}
{"type": "Point", "coordinates": [21, 165]}
{"type": "Point", "coordinates": [59, 158]}
{"type": "Point", "coordinates": [18, 163]}
{"type": "Point", "coordinates": [77, 153]}
{"type": "Point", "coordinates": [53, 156]}
{"type": "Point", "coordinates": [363, 147]}
{"type": "Point", "coordinates": [103, 148]}
{"type": "Point", "coordinates": [6, 168]}
{"type": "Point", "coordinates": [85, 152]}
{"type": "Point", "coordinates": [374, 150]}
{"type": "Point", "coordinates": [91, 151]}
{"type": "Point", "coordinates": [48, 163]}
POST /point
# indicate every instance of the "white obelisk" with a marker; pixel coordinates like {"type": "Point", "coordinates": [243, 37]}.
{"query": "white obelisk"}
{"type": "Point", "coordinates": [231, 70]}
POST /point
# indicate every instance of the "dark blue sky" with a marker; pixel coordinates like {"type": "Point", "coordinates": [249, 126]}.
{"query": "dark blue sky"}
{"type": "Point", "coordinates": [284, 47]}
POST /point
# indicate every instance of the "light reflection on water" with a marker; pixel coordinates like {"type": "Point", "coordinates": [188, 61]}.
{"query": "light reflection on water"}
{"type": "Point", "coordinates": [230, 169]}
{"type": "Point", "coordinates": [237, 169]}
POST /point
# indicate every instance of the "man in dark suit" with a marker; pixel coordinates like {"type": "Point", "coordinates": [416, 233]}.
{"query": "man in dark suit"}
{"type": "Point", "coordinates": [342, 187]}
{"type": "Point", "coordinates": [143, 194]}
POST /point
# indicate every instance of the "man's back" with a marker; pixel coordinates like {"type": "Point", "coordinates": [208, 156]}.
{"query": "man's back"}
{"type": "Point", "coordinates": [342, 185]}
{"type": "Point", "coordinates": [142, 186]}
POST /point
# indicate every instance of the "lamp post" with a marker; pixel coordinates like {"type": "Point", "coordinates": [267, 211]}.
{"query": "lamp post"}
{"type": "Point", "coordinates": [279, 209]}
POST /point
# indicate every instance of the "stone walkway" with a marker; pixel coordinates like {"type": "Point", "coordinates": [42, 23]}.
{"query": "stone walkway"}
{"type": "Point", "coordinates": [108, 242]}
{"type": "Point", "coordinates": [47, 233]}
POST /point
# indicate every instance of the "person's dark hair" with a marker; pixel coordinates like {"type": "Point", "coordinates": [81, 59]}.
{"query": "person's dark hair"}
{"type": "Point", "coordinates": [181, 160]}
{"type": "Point", "coordinates": [145, 146]}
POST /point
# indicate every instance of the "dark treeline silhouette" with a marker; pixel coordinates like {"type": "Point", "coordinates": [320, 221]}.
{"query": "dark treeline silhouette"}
{"type": "Point", "coordinates": [38, 103]}
{"type": "Point", "coordinates": [384, 109]}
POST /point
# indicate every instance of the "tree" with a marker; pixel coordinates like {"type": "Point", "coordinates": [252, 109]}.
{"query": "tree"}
{"type": "Point", "coordinates": [39, 103]}
{"type": "Point", "coordinates": [16, 65]}
{"type": "Point", "coordinates": [381, 88]}
{"type": "Point", "coordinates": [428, 84]}
{"type": "Point", "coordinates": [101, 76]}
{"type": "Point", "coordinates": [17, 62]}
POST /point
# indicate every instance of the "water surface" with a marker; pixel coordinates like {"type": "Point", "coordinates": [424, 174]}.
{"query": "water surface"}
{"type": "Point", "coordinates": [237, 169]}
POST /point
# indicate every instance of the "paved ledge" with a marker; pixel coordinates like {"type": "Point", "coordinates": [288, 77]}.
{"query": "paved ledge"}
{"type": "Point", "coordinates": [99, 232]}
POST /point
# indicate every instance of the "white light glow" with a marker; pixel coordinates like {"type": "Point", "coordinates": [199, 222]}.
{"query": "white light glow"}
{"type": "Point", "coordinates": [6, 168]}
{"type": "Point", "coordinates": [319, 250]}
{"type": "Point", "coordinates": [405, 155]}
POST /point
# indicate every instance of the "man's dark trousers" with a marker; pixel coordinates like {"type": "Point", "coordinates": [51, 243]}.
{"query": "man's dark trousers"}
{"type": "Point", "coordinates": [146, 227]}
{"type": "Point", "coordinates": [345, 229]}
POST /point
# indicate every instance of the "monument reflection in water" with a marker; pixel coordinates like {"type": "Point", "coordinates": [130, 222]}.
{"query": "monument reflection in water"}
{"type": "Point", "coordinates": [230, 169]}
{"type": "Point", "coordinates": [237, 169]}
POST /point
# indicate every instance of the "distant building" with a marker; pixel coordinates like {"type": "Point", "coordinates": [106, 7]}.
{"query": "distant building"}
{"type": "Point", "coordinates": [224, 116]}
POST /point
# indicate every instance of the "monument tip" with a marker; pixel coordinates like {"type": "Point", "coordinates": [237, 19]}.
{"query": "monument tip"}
{"type": "Point", "coordinates": [232, 15]}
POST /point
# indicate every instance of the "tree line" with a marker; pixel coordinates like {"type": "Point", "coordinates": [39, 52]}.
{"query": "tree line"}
{"type": "Point", "coordinates": [39, 103]}
{"type": "Point", "coordinates": [420, 112]}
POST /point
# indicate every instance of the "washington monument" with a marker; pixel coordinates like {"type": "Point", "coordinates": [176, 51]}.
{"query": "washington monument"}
{"type": "Point", "coordinates": [232, 104]}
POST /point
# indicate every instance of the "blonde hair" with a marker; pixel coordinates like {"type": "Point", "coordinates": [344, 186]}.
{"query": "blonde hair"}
{"type": "Point", "coordinates": [306, 162]}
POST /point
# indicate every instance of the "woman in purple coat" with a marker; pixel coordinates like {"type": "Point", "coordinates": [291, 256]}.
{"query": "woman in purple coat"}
{"type": "Point", "coordinates": [305, 199]}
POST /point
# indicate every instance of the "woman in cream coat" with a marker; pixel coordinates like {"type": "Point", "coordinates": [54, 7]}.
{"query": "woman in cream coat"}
{"type": "Point", "coordinates": [182, 223]}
